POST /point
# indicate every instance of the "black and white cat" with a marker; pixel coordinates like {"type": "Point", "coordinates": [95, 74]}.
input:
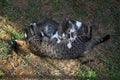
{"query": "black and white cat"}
{"type": "Point", "coordinates": [71, 30]}
{"type": "Point", "coordinates": [46, 28]}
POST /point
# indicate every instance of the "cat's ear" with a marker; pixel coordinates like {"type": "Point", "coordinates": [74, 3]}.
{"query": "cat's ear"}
{"type": "Point", "coordinates": [25, 34]}
{"type": "Point", "coordinates": [32, 28]}
{"type": "Point", "coordinates": [33, 24]}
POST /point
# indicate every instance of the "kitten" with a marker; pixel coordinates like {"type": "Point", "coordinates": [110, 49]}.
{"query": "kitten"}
{"type": "Point", "coordinates": [71, 31]}
{"type": "Point", "coordinates": [47, 28]}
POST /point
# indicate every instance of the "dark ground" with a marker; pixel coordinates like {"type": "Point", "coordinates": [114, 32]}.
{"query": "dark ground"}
{"type": "Point", "coordinates": [103, 63]}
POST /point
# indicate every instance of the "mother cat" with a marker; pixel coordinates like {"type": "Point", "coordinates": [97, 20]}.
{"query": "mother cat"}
{"type": "Point", "coordinates": [80, 46]}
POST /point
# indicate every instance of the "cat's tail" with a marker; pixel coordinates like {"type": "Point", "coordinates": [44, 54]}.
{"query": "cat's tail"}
{"type": "Point", "coordinates": [93, 43]}
{"type": "Point", "coordinates": [98, 41]}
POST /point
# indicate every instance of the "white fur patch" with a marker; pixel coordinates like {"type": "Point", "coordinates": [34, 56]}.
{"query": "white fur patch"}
{"type": "Point", "coordinates": [56, 35]}
{"type": "Point", "coordinates": [25, 35]}
{"type": "Point", "coordinates": [34, 24]}
{"type": "Point", "coordinates": [42, 33]}
{"type": "Point", "coordinates": [74, 38]}
{"type": "Point", "coordinates": [32, 32]}
{"type": "Point", "coordinates": [69, 45]}
{"type": "Point", "coordinates": [63, 36]}
{"type": "Point", "coordinates": [46, 28]}
{"type": "Point", "coordinates": [72, 30]}
{"type": "Point", "coordinates": [79, 24]}
{"type": "Point", "coordinates": [58, 40]}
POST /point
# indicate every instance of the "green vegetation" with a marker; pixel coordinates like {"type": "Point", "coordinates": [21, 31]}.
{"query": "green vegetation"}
{"type": "Point", "coordinates": [2, 74]}
{"type": "Point", "coordinates": [3, 47]}
{"type": "Point", "coordinates": [7, 34]}
{"type": "Point", "coordinates": [17, 35]}
{"type": "Point", "coordinates": [89, 74]}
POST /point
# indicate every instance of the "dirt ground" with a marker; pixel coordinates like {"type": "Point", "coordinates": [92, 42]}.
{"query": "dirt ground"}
{"type": "Point", "coordinates": [27, 66]}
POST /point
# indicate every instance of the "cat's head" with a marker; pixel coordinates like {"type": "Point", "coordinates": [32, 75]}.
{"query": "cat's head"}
{"type": "Point", "coordinates": [29, 31]}
{"type": "Point", "coordinates": [23, 44]}
{"type": "Point", "coordinates": [20, 44]}
{"type": "Point", "coordinates": [71, 28]}
{"type": "Point", "coordinates": [73, 24]}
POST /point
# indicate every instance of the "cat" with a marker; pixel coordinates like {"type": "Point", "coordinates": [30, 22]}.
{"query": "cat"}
{"type": "Point", "coordinates": [46, 28]}
{"type": "Point", "coordinates": [71, 30]}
